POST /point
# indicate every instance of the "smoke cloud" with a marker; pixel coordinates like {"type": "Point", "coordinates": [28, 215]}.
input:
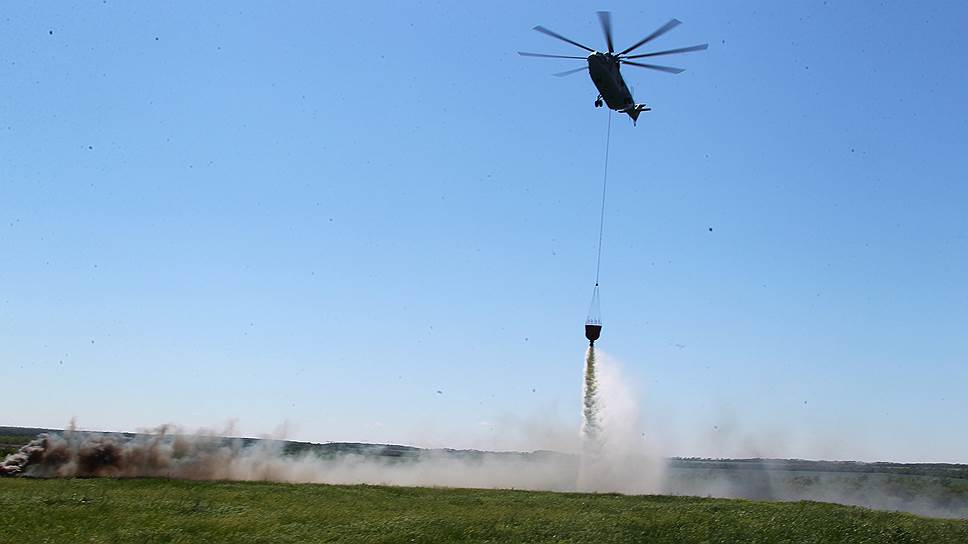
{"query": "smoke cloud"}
{"type": "Point", "coordinates": [610, 465]}
{"type": "Point", "coordinates": [203, 456]}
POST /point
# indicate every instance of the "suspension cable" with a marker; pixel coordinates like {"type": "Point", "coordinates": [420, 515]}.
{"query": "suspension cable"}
{"type": "Point", "coordinates": [601, 223]}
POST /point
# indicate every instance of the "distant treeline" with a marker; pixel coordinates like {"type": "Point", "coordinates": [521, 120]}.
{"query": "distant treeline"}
{"type": "Point", "coordinates": [943, 470]}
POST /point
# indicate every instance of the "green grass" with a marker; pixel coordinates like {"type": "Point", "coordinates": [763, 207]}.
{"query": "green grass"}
{"type": "Point", "coordinates": [148, 510]}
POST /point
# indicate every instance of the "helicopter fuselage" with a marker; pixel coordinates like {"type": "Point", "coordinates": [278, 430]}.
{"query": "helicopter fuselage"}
{"type": "Point", "coordinates": [608, 80]}
{"type": "Point", "coordinates": [604, 70]}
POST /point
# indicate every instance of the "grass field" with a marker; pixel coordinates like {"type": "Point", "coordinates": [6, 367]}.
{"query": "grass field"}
{"type": "Point", "coordinates": [151, 510]}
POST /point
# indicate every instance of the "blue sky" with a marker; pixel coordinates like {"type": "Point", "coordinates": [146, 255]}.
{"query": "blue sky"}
{"type": "Point", "coordinates": [319, 215]}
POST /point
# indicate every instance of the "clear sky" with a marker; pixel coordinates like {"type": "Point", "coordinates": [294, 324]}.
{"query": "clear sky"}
{"type": "Point", "coordinates": [377, 222]}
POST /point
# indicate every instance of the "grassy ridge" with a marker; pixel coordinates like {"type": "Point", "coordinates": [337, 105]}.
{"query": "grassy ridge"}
{"type": "Point", "coordinates": [10, 443]}
{"type": "Point", "coordinates": [106, 510]}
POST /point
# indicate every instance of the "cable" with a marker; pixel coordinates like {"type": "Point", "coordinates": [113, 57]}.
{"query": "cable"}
{"type": "Point", "coordinates": [601, 223]}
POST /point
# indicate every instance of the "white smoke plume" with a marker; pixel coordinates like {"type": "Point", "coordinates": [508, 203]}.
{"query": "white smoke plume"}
{"type": "Point", "coordinates": [615, 455]}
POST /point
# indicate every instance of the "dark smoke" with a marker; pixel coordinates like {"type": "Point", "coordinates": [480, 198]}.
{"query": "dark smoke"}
{"type": "Point", "coordinates": [78, 454]}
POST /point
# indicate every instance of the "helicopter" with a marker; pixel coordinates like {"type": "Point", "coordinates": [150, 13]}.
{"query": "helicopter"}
{"type": "Point", "coordinates": [604, 67]}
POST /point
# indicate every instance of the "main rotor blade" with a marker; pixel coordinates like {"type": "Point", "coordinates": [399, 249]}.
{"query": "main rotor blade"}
{"type": "Point", "coordinates": [689, 49]}
{"type": "Point", "coordinates": [605, 17]}
{"type": "Point", "coordinates": [569, 72]}
{"type": "Point", "coordinates": [668, 69]}
{"type": "Point", "coordinates": [526, 54]}
{"type": "Point", "coordinates": [544, 30]}
{"type": "Point", "coordinates": [662, 30]}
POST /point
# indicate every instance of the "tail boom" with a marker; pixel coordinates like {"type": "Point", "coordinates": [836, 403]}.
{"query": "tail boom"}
{"type": "Point", "coordinates": [635, 110]}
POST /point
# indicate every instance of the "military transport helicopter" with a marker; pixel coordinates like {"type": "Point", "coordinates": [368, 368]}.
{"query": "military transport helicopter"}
{"type": "Point", "coordinates": [604, 67]}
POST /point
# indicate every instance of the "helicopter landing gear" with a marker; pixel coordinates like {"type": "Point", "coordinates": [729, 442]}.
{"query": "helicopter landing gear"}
{"type": "Point", "coordinates": [598, 101]}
